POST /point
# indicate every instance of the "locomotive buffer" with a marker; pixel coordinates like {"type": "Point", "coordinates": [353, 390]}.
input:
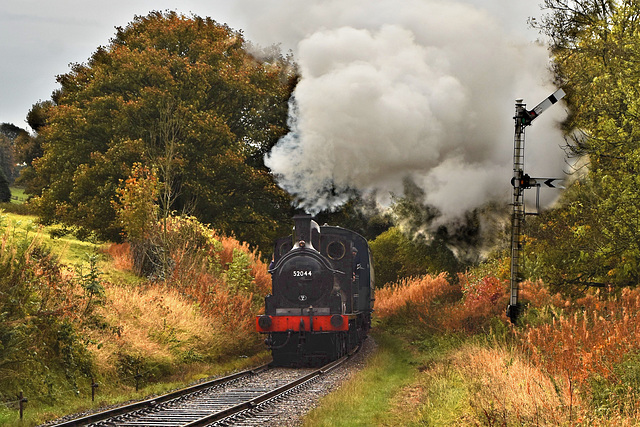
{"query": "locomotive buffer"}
{"type": "Point", "coordinates": [520, 182]}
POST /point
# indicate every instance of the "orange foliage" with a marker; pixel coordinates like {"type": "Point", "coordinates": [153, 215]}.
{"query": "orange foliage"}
{"type": "Point", "coordinates": [121, 255]}
{"type": "Point", "coordinates": [589, 339]}
{"type": "Point", "coordinates": [199, 260]}
{"type": "Point", "coordinates": [234, 311]}
{"type": "Point", "coordinates": [261, 276]}
{"type": "Point", "coordinates": [567, 341]}
{"type": "Point", "coordinates": [468, 305]}
{"type": "Point", "coordinates": [417, 293]}
{"type": "Point", "coordinates": [484, 299]}
{"type": "Point", "coordinates": [506, 390]}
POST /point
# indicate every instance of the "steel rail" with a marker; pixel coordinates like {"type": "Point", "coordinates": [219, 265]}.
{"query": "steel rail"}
{"type": "Point", "coordinates": [273, 394]}
{"type": "Point", "coordinates": [150, 403]}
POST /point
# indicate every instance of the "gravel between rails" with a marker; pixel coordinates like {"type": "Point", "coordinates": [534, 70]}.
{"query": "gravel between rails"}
{"type": "Point", "coordinates": [291, 412]}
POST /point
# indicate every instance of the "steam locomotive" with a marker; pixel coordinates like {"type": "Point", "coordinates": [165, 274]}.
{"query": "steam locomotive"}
{"type": "Point", "coordinates": [322, 294]}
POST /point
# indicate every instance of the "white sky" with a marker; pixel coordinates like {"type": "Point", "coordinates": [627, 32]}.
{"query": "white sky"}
{"type": "Point", "coordinates": [40, 38]}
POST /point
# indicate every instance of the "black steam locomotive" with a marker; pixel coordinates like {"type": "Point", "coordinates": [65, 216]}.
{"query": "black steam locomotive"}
{"type": "Point", "coordinates": [322, 294]}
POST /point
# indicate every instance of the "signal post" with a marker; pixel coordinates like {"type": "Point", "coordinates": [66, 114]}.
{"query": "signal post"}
{"type": "Point", "coordinates": [520, 182]}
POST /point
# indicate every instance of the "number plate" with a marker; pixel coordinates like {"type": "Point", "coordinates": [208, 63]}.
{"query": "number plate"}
{"type": "Point", "coordinates": [301, 273]}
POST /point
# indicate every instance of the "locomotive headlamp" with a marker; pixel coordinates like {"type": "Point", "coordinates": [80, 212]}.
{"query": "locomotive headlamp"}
{"type": "Point", "coordinates": [264, 322]}
{"type": "Point", "coordinates": [336, 320]}
{"type": "Point", "coordinates": [301, 243]}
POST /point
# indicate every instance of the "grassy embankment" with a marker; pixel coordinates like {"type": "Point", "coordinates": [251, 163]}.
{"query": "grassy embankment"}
{"type": "Point", "coordinates": [448, 356]}
{"type": "Point", "coordinates": [82, 314]}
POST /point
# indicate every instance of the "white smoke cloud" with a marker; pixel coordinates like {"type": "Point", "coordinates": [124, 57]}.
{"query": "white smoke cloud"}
{"type": "Point", "coordinates": [423, 89]}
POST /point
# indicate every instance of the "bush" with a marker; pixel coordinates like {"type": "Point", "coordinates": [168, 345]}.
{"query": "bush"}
{"type": "Point", "coordinates": [470, 304]}
{"type": "Point", "coordinates": [16, 208]}
{"type": "Point", "coordinates": [588, 338]}
{"type": "Point", "coordinates": [222, 277]}
{"type": "Point", "coordinates": [397, 257]}
{"type": "Point", "coordinates": [39, 312]}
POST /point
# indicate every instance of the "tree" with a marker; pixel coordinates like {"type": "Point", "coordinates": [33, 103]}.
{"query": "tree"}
{"type": "Point", "coordinates": [397, 256]}
{"type": "Point", "coordinates": [11, 131]}
{"type": "Point", "coordinates": [5, 191]}
{"type": "Point", "coordinates": [362, 215]}
{"type": "Point", "coordinates": [595, 48]}
{"type": "Point", "coordinates": [7, 164]}
{"type": "Point", "coordinates": [184, 97]}
{"type": "Point", "coordinates": [10, 137]}
{"type": "Point", "coordinates": [593, 238]}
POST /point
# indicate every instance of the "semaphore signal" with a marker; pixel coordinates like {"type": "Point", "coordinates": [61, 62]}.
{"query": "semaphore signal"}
{"type": "Point", "coordinates": [520, 182]}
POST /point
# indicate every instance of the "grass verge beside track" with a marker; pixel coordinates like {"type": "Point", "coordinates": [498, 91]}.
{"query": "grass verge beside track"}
{"type": "Point", "coordinates": [406, 382]}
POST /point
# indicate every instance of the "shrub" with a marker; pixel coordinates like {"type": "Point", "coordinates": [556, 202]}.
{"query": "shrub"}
{"type": "Point", "coordinates": [40, 305]}
{"type": "Point", "coordinates": [468, 305]}
{"type": "Point", "coordinates": [425, 299]}
{"type": "Point", "coordinates": [588, 339]}
{"type": "Point", "coordinates": [221, 276]}
{"type": "Point", "coordinates": [484, 299]}
{"type": "Point", "coordinates": [397, 256]}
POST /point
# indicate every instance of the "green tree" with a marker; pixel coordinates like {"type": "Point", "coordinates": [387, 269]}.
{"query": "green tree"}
{"type": "Point", "coordinates": [180, 95]}
{"type": "Point", "coordinates": [10, 137]}
{"type": "Point", "coordinates": [396, 256]}
{"type": "Point", "coordinates": [5, 191]}
{"type": "Point", "coordinates": [362, 215]}
{"type": "Point", "coordinates": [7, 164]}
{"type": "Point", "coordinates": [593, 238]}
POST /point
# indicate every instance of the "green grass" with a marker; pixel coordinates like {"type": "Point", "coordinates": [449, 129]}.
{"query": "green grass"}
{"type": "Point", "coordinates": [17, 195]}
{"type": "Point", "coordinates": [444, 393]}
{"type": "Point", "coordinates": [407, 382]}
{"type": "Point", "coordinates": [445, 398]}
{"type": "Point", "coordinates": [70, 250]}
{"type": "Point", "coordinates": [366, 400]}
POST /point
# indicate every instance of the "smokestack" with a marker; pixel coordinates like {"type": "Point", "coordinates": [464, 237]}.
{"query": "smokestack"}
{"type": "Point", "coordinates": [306, 231]}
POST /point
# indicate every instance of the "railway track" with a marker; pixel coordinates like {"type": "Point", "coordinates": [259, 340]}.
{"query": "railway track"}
{"type": "Point", "coordinates": [238, 399]}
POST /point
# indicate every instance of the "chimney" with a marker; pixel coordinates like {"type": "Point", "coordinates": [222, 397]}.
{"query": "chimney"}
{"type": "Point", "coordinates": [303, 230]}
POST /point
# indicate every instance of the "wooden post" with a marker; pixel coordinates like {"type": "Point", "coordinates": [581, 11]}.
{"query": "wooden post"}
{"type": "Point", "coordinates": [94, 386]}
{"type": "Point", "coordinates": [22, 400]}
{"type": "Point", "coordinates": [137, 377]}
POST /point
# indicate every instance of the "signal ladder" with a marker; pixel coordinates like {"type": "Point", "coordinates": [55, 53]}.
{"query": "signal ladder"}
{"type": "Point", "coordinates": [520, 182]}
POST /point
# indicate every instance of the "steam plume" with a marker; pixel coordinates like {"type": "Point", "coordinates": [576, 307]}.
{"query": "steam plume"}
{"type": "Point", "coordinates": [419, 89]}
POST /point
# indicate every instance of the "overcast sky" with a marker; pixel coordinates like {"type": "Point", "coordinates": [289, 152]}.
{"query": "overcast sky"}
{"type": "Point", "coordinates": [40, 38]}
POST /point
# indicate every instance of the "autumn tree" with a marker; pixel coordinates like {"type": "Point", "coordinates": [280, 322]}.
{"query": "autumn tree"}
{"type": "Point", "coordinates": [594, 239]}
{"type": "Point", "coordinates": [182, 96]}
{"type": "Point", "coordinates": [10, 137]}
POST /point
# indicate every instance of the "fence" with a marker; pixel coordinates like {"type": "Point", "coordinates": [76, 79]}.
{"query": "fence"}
{"type": "Point", "coordinates": [20, 401]}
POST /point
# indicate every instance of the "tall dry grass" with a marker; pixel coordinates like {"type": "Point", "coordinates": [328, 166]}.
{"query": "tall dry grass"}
{"type": "Point", "coordinates": [153, 323]}
{"type": "Point", "coordinates": [412, 296]}
{"type": "Point", "coordinates": [467, 305]}
{"type": "Point", "coordinates": [505, 389]}
{"type": "Point", "coordinates": [590, 338]}
{"type": "Point", "coordinates": [571, 354]}
{"type": "Point", "coordinates": [200, 275]}
{"type": "Point", "coordinates": [120, 254]}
